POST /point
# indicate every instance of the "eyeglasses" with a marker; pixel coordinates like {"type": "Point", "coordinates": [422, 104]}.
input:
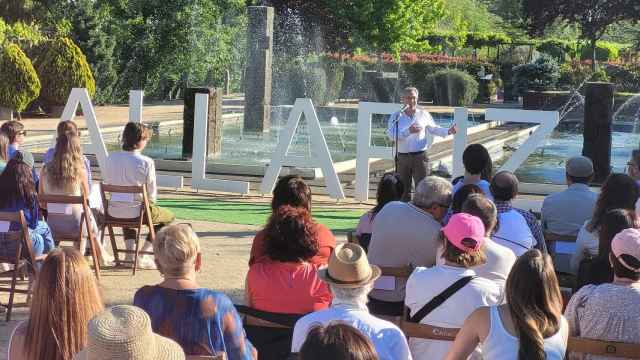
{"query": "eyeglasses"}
{"type": "Point", "coordinates": [22, 132]}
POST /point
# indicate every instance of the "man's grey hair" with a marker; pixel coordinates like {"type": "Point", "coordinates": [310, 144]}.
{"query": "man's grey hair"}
{"type": "Point", "coordinates": [409, 89]}
{"type": "Point", "coordinates": [351, 296]}
{"type": "Point", "coordinates": [432, 190]}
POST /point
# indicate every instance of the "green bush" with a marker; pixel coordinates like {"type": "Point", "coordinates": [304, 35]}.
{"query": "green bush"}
{"type": "Point", "coordinates": [605, 51]}
{"type": "Point", "coordinates": [315, 85]}
{"type": "Point", "coordinates": [558, 49]}
{"type": "Point", "coordinates": [334, 71]}
{"type": "Point", "coordinates": [542, 74]}
{"type": "Point", "coordinates": [61, 66]}
{"type": "Point", "coordinates": [599, 75]}
{"type": "Point", "coordinates": [451, 88]}
{"type": "Point", "coordinates": [19, 84]}
{"type": "Point", "coordinates": [626, 77]}
{"type": "Point", "coordinates": [573, 75]}
{"type": "Point", "coordinates": [416, 74]}
{"type": "Point", "coordinates": [487, 89]}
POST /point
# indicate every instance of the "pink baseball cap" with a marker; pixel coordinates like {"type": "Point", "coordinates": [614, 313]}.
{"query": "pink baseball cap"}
{"type": "Point", "coordinates": [465, 231]}
{"type": "Point", "coordinates": [627, 242]}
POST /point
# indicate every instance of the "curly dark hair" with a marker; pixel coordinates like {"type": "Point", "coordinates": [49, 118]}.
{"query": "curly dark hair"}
{"type": "Point", "coordinates": [619, 191]}
{"type": "Point", "coordinates": [16, 183]}
{"type": "Point", "coordinates": [291, 190]}
{"type": "Point", "coordinates": [290, 235]}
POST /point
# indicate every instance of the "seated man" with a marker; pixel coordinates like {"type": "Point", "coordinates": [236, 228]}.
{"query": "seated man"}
{"type": "Point", "coordinates": [131, 168]}
{"type": "Point", "coordinates": [565, 212]}
{"type": "Point", "coordinates": [350, 278]}
{"type": "Point", "coordinates": [406, 233]}
{"type": "Point", "coordinates": [518, 229]}
{"type": "Point", "coordinates": [477, 161]}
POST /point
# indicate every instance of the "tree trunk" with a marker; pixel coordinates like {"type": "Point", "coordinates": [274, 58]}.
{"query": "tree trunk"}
{"type": "Point", "coordinates": [594, 66]}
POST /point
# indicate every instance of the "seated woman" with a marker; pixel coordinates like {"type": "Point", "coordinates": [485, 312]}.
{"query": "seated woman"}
{"type": "Point", "coordinates": [18, 192]}
{"type": "Point", "coordinates": [611, 311]}
{"type": "Point", "coordinates": [293, 191]}
{"type": "Point", "coordinates": [288, 282]}
{"type": "Point", "coordinates": [390, 189]}
{"type": "Point", "coordinates": [529, 326]}
{"type": "Point", "coordinates": [4, 151]}
{"type": "Point", "coordinates": [65, 174]}
{"type": "Point", "coordinates": [463, 237]}
{"type": "Point", "coordinates": [202, 321]}
{"type": "Point", "coordinates": [619, 191]}
{"type": "Point", "coordinates": [65, 127]}
{"type": "Point", "coordinates": [337, 341]}
{"type": "Point", "coordinates": [597, 270]}
{"type": "Point", "coordinates": [65, 298]}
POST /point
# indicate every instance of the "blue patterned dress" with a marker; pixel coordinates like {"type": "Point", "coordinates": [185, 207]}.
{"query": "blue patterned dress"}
{"type": "Point", "coordinates": [202, 321]}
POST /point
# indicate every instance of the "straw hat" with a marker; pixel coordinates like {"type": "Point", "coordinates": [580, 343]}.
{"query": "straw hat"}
{"type": "Point", "coordinates": [349, 267]}
{"type": "Point", "coordinates": [123, 332]}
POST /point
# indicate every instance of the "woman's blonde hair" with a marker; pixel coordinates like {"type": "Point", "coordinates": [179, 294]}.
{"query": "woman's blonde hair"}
{"type": "Point", "coordinates": [535, 302]}
{"type": "Point", "coordinates": [66, 169]}
{"type": "Point", "coordinates": [176, 247]}
{"type": "Point", "coordinates": [65, 298]}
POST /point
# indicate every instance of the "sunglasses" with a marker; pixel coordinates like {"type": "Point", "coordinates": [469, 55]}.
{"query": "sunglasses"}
{"type": "Point", "coordinates": [22, 132]}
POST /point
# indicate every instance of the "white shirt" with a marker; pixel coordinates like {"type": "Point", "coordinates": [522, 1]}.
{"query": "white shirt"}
{"type": "Point", "coordinates": [388, 339]}
{"type": "Point", "coordinates": [426, 283]}
{"type": "Point", "coordinates": [501, 345]}
{"type": "Point", "coordinates": [408, 142]}
{"type": "Point", "coordinates": [500, 260]}
{"type": "Point", "coordinates": [130, 168]}
{"type": "Point", "coordinates": [514, 232]}
{"type": "Point", "coordinates": [587, 242]}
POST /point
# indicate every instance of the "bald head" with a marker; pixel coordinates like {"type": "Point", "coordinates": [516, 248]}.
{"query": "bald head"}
{"type": "Point", "coordinates": [504, 186]}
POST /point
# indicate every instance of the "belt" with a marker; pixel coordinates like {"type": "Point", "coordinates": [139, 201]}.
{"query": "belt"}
{"type": "Point", "coordinates": [413, 153]}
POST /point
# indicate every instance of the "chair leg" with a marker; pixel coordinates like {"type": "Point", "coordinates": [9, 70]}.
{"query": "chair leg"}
{"type": "Point", "coordinates": [14, 279]}
{"type": "Point", "coordinates": [94, 255]}
{"type": "Point", "coordinates": [135, 259]}
{"type": "Point", "coordinates": [114, 246]}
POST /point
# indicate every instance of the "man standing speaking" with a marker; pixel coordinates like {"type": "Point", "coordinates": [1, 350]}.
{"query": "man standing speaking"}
{"type": "Point", "coordinates": [415, 131]}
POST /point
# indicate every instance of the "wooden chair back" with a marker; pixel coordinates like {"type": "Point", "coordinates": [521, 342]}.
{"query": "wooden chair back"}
{"type": "Point", "coordinates": [22, 260]}
{"type": "Point", "coordinates": [143, 218]}
{"type": "Point", "coordinates": [603, 348]}
{"type": "Point", "coordinates": [85, 222]}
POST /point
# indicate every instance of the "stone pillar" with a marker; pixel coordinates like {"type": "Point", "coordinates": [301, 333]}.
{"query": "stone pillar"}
{"type": "Point", "coordinates": [598, 115]}
{"type": "Point", "coordinates": [6, 114]}
{"type": "Point", "coordinates": [257, 95]}
{"type": "Point", "coordinates": [214, 121]}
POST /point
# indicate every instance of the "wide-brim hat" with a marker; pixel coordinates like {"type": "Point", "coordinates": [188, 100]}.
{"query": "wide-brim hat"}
{"type": "Point", "coordinates": [124, 332]}
{"type": "Point", "coordinates": [349, 267]}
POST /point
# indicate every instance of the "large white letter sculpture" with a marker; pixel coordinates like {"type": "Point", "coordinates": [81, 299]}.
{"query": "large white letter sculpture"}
{"type": "Point", "coordinates": [320, 156]}
{"type": "Point", "coordinates": [199, 161]}
{"type": "Point", "coordinates": [548, 121]}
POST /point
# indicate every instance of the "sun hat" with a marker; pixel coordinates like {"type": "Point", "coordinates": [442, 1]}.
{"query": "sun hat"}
{"type": "Point", "coordinates": [349, 267]}
{"type": "Point", "coordinates": [124, 332]}
{"type": "Point", "coordinates": [579, 166]}
{"type": "Point", "coordinates": [627, 242]}
{"type": "Point", "coordinates": [462, 227]}
{"type": "Point", "coordinates": [24, 157]}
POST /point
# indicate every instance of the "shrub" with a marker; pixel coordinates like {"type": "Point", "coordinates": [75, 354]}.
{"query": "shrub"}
{"type": "Point", "coordinates": [334, 71]}
{"type": "Point", "coordinates": [487, 89]}
{"type": "Point", "coordinates": [451, 88]}
{"type": "Point", "coordinates": [605, 51]}
{"type": "Point", "coordinates": [599, 75]}
{"type": "Point", "coordinates": [315, 85]}
{"type": "Point", "coordinates": [558, 49]}
{"type": "Point", "coordinates": [61, 66]}
{"type": "Point", "coordinates": [626, 77]}
{"type": "Point", "coordinates": [542, 74]}
{"type": "Point", "coordinates": [19, 84]}
{"type": "Point", "coordinates": [573, 75]}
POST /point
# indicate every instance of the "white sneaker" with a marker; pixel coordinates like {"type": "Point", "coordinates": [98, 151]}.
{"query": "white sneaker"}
{"type": "Point", "coordinates": [146, 262]}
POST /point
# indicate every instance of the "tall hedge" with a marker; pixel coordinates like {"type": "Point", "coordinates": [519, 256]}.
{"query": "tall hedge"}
{"type": "Point", "coordinates": [19, 84]}
{"type": "Point", "coordinates": [451, 88]}
{"type": "Point", "coordinates": [61, 66]}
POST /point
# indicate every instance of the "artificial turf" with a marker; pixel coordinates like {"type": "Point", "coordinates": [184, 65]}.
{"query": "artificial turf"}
{"type": "Point", "coordinates": [232, 212]}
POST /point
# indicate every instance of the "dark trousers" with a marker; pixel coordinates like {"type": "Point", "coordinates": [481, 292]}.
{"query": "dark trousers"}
{"type": "Point", "coordinates": [412, 166]}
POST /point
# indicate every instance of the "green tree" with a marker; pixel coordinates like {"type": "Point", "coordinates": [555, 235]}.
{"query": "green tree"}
{"type": "Point", "coordinates": [19, 84]}
{"type": "Point", "coordinates": [592, 16]}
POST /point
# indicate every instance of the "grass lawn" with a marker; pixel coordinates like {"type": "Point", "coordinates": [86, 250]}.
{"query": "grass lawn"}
{"type": "Point", "coordinates": [252, 214]}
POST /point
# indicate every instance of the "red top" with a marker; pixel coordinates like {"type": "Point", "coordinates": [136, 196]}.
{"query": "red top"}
{"type": "Point", "coordinates": [290, 288]}
{"type": "Point", "coordinates": [326, 242]}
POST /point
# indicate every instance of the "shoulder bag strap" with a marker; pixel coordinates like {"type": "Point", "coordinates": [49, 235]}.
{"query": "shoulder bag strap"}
{"type": "Point", "coordinates": [440, 299]}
